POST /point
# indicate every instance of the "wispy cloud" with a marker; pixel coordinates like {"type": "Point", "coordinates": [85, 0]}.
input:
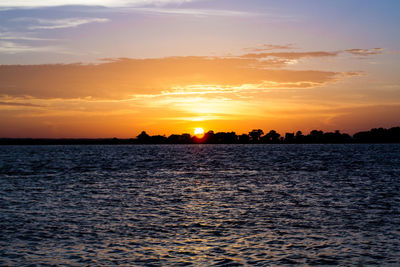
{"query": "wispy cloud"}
{"type": "Point", "coordinates": [287, 58]}
{"type": "Point", "coordinates": [194, 12]}
{"type": "Point", "coordinates": [106, 3]}
{"type": "Point", "coordinates": [51, 24]}
{"type": "Point", "coordinates": [25, 42]}
{"type": "Point", "coordinates": [22, 37]}
{"type": "Point", "coordinates": [270, 47]}
{"type": "Point", "coordinates": [18, 104]}
{"type": "Point", "coordinates": [9, 47]}
{"type": "Point", "coordinates": [292, 55]}
{"type": "Point", "coordinates": [365, 52]}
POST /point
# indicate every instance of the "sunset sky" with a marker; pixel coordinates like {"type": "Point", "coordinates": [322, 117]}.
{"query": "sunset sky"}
{"type": "Point", "coordinates": [112, 68]}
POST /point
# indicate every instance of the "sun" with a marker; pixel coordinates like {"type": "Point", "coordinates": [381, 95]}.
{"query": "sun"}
{"type": "Point", "coordinates": [199, 132]}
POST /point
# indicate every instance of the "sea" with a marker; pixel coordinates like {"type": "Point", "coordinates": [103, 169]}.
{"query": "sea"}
{"type": "Point", "coordinates": [200, 205]}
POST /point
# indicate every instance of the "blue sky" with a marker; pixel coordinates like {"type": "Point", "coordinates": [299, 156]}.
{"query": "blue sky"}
{"type": "Point", "coordinates": [33, 33]}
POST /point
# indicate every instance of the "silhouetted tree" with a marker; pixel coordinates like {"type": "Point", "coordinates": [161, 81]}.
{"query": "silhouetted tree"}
{"type": "Point", "coordinates": [158, 139]}
{"type": "Point", "coordinates": [271, 137]}
{"type": "Point", "coordinates": [209, 137]}
{"type": "Point", "coordinates": [244, 139]}
{"type": "Point", "coordinates": [378, 135]}
{"type": "Point", "coordinates": [186, 139]}
{"type": "Point", "coordinates": [394, 135]}
{"type": "Point", "coordinates": [336, 137]}
{"type": "Point", "coordinates": [289, 138]}
{"type": "Point", "coordinates": [255, 135]}
{"type": "Point", "coordinates": [299, 137]}
{"type": "Point", "coordinates": [315, 136]}
{"type": "Point", "coordinates": [143, 138]}
{"type": "Point", "coordinates": [179, 139]}
{"type": "Point", "coordinates": [174, 139]}
{"type": "Point", "coordinates": [225, 138]}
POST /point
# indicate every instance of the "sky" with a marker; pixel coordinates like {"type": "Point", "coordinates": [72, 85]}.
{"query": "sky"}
{"type": "Point", "coordinates": [113, 68]}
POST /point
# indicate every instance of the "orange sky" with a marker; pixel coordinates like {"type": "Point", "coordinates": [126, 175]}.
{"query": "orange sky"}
{"type": "Point", "coordinates": [279, 81]}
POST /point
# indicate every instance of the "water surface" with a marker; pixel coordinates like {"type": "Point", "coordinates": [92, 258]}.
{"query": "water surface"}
{"type": "Point", "coordinates": [200, 204]}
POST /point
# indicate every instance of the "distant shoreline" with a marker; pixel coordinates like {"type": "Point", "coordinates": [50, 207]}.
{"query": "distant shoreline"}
{"type": "Point", "coordinates": [374, 136]}
{"type": "Point", "coordinates": [55, 142]}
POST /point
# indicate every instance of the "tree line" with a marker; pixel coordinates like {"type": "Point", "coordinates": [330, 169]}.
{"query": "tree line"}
{"type": "Point", "coordinates": [256, 136]}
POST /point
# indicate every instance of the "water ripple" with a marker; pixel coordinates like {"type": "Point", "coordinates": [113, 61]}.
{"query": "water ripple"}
{"type": "Point", "coordinates": [222, 205]}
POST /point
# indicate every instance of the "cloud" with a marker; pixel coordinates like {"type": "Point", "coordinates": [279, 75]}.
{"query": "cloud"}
{"type": "Point", "coordinates": [124, 78]}
{"type": "Point", "coordinates": [287, 58]}
{"type": "Point", "coordinates": [291, 55]}
{"type": "Point", "coordinates": [22, 37]}
{"type": "Point", "coordinates": [60, 23]}
{"type": "Point", "coordinates": [9, 47]}
{"type": "Point", "coordinates": [18, 104]}
{"type": "Point", "coordinates": [365, 52]}
{"type": "Point", "coordinates": [194, 12]}
{"type": "Point", "coordinates": [269, 47]}
{"type": "Point", "coordinates": [106, 3]}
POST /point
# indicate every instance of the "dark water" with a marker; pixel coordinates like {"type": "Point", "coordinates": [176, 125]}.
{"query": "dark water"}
{"type": "Point", "coordinates": [200, 204]}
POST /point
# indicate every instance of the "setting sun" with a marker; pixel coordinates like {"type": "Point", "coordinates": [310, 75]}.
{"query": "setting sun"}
{"type": "Point", "coordinates": [199, 131]}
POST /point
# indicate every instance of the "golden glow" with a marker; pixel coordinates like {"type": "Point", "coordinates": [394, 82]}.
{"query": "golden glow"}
{"type": "Point", "coordinates": [199, 132]}
{"type": "Point", "coordinates": [173, 95]}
